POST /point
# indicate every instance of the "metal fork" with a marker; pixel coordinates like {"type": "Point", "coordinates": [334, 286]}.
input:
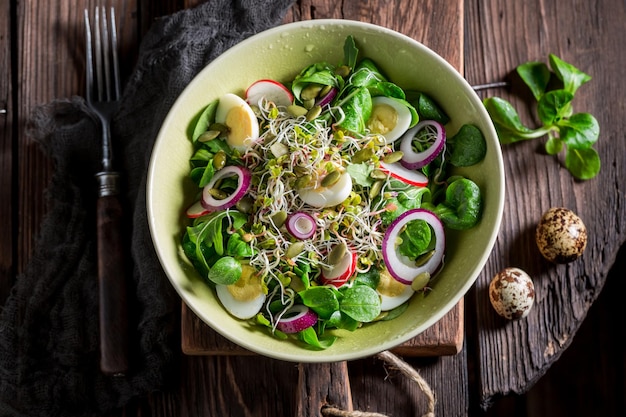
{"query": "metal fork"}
{"type": "Point", "coordinates": [102, 95]}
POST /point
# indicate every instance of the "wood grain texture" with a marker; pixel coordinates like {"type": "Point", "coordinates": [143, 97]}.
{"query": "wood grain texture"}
{"type": "Point", "coordinates": [7, 233]}
{"type": "Point", "coordinates": [44, 47]}
{"type": "Point", "coordinates": [512, 356]}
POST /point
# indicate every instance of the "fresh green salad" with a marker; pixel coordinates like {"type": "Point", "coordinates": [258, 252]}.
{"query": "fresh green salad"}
{"type": "Point", "coordinates": [323, 201]}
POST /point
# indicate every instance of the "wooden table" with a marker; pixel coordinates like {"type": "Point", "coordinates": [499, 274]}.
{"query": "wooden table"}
{"type": "Point", "coordinates": [485, 40]}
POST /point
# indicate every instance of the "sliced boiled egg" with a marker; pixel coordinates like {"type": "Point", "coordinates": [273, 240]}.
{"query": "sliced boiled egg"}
{"type": "Point", "coordinates": [243, 126]}
{"type": "Point", "coordinates": [392, 292]}
{"type": "Point", "coordinates": [245, 298]}
{"type": "Point", "coordinates": [389, 118]}
{"type": "Point", "coordinates": [321, 196]}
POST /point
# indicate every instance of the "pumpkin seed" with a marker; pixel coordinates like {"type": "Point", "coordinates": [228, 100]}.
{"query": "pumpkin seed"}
{"type": "Point", "coordinates": [311, 91]}
{"type": "Point", "coordinates": [362, 155]}
{"type": "Point", "coordinates": [423, 258]}
{"type": "Point", "coordinates": [337, 253]}
{"type": "Point", "coordinates": [420, 281]}
{"type": "Point", "coordinates": [343, 71]}
{"type": "Point", "coordinates": [209, 135]}
{"type": "Point", "coordinates": [217, 193]}
{"type": "Point", "coordinates": [245, 204]}
{"type": "Point", "coordinates": [313, 113]}
{"type": "Point", "coordinates": [219, 160]}
{"type": "Point", "coordinates": [392, 157]}
{"type": "Point", "coordinates": [295, 249]}
{"type": "Point", "coordinates": [221, 127]}
{"type": "Point", "coordinates": [279, 218]}
{"type": "Point", "coordinates": [296, 111]}
{"type": "Point", "coordinates": [331, 179]}
{"type": "Point", "coordinates": [303, 181]}
{"type": "Point", "coordinates": [375, 188]}
{"type": "Point", "coordinates": [377, 174]}
{"type": "Point", "coordinates": [325, 90]}
{"type": "Point", "coordinates": [308, 104]}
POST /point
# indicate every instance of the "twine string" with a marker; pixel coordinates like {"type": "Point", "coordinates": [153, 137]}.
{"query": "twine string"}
{"type": "Point", "coordinates": [407, 370]}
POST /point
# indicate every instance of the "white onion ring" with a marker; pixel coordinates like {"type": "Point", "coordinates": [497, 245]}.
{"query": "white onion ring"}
{"type": "Point", "coordinates": [303, 319]}
{"type": "Point", "coordinates": [399, 266]}
{"type": "Point", "coordinates": [301, 225]}
{"type": "Point", "coordinates": [243, 183]}
{"type": "Point", "coordinates": [417, 160]}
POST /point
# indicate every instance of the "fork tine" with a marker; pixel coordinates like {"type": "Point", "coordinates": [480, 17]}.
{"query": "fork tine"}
{"type": "Point", "coordinates": [116, 65]}
{"type": "Point", "coordinates": [89, 59]}
{"type": "Point", "coordinates": [98, 54]}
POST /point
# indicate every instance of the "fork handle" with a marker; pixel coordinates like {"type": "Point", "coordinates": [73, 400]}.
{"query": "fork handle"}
{"type": "Point", "coordinates": [112, 284]}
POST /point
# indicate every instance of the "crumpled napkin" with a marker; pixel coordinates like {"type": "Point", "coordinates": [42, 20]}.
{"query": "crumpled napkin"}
{"type": "Point", "coordinates": [49, 343]}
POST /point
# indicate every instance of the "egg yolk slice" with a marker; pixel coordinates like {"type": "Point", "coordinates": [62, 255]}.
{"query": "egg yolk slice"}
{"type": "Point", "coordinates": [238, 116]}
{"type": "Point", "coordinates": [248, 287]}
{"type": "Point", "coordinates": [389, 118]}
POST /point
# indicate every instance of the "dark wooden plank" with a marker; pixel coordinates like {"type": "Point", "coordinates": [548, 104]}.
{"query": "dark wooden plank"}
{"type": "Point", "coordinates": [6, 154]}
{"type": "Point", "coordinates": [512, 356]}
{"type": "Point", "coordinates": [443, 338]}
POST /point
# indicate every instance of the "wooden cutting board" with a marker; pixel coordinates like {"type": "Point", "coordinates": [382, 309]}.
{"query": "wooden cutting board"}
{"type": "Point", "coordinates": [443, 338]}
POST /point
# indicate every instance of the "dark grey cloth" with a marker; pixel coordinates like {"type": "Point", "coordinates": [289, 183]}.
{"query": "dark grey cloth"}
{"type": "Point", "coordinates": [49, 325]}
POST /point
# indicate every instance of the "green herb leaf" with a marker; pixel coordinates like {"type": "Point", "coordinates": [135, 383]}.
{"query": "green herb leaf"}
{"type": "Point", "coordinates": [322, 300]}
{"type": "Point", "coordinates": [571, 76]}
{"type": "Point", "coordinates": [350, 52]}
{"type": "Point", "coordinates": [580, 131]}
{"type": "Point", "coordinates": [226, 271]}
{"type": "Point", "coordinates": [554, 106]}
{"type": "Point", "coordinates": [584, 163]}
{"type": "Point", "coordinates": [468, 146]}
{"type": "Point", "coordinates": [536, 75]}
{"type": "Point", "coordinates": [361, 303]}
{"type": "Point", "coordinates": [507, 122]}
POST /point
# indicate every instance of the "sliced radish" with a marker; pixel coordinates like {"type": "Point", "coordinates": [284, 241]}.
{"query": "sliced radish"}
{"type": "Point", "coordinates": [301, 225]}
{"type": "Point", "coordinates": [402, 268]}
{"type": "Point", "coordinates": [417, 160]}
{"type": "Point", "coordinates": [269, 90]}
{"type": "Point", "coordinates": [243, 183]}
{"type": "Point", "coordinates": [296, 319]}
{"type": "Point", "coordinates": [197, 210]}
{"type": "Point", "coordinates": [408, 176]}
{"type": "Point", "coordinates": [341, 272]}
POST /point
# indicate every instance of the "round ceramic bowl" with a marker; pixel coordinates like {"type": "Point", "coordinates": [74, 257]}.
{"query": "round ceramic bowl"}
{"type": "Point", "coordinates": [279, 54]}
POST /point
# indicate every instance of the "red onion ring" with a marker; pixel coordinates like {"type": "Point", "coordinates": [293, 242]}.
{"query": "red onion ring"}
{"type": "Point", "coordinates": [417, 160]}
{"type": "Point", "coordinates": [243, 183]}
{"type": "Point", "coordinates": [327, 98]}
{"type": "Point", "coordinates": [303, 318]}
{"type": "Point", "coordinates": [301, 225]}
{"type": "Point", "coordinates": [400, 267]}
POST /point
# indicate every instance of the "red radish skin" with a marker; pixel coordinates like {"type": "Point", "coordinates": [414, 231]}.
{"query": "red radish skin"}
{"type": "Point", "coordinates": [408, 176]}
{"type": "Point", "coordinates": [342, 272]}
{"type": "Point", "coordinates": [270, 90]}
{"type": "Point", "coordinates": [197, 210]}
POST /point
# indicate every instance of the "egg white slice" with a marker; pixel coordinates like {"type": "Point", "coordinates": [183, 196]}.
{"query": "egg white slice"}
{"type": "Point", "coordinates": [328, 196]}
{"type": "Point", "coordinates": [245, 298]}
{"type": "Point", "coordinates": [389, 118]}
{"type": "Point", "coordinates": [238, 116]}
{"type": "Point", "coordinates": [392, 292]}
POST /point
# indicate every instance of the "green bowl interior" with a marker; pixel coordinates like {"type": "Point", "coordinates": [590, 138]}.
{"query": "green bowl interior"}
{"type": "Point", "coordinates": [279, 54]}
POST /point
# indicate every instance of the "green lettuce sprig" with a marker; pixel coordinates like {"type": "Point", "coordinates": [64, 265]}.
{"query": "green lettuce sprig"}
{"type": "Point", "coordinates": [576, 133]}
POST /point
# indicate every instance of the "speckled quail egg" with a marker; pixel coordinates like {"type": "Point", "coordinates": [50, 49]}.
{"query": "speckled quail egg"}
{"type": "Point", "coordinates": [561, 235]}
{"type": "Point", "coordinates": [512, 293]}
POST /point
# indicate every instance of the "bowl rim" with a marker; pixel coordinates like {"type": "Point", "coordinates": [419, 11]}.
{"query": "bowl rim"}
{"type": "Point", "coordinates": [305, 355]}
